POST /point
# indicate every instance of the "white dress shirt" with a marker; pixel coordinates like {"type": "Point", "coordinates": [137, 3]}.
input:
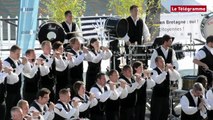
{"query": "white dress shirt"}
{"type": "Point", "coordinates": [48, 115]}
{"type": "Point", "coordinates": [83, 106]}
{"type": "Point", "coordinates": [100, 56]}
{"type": "Point", "coordinates": [3, 75]}
{"type": "Point", "coordinates": [165, 52]}
{"type": "Point", "coordinates": [145, 32]}
{"type": "Point", "coordinates": [68, 115]}
{"type": "Point", "coordinates": [13, 77]}
{"type": "Point", "coordinates": [209, 98]}
{"type": "Point", "coordinates": [201, 54]}
{"type": "Point", "coordinates": [189, 110]}
{"type": "Point", "coordinates": [133, 87]}
{"type": "Point", "coordinates": [101, 96]}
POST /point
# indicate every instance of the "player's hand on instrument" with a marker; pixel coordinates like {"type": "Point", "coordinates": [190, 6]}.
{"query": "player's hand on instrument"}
{"type": "Point", "coordinates": [91, 96]}
{"type": "Point", "coordinates": [75, 103]}
{"type": "Point", "coordinates": [111, 86]}
{"type": "Point", "coordinates": [69, 56]}
{"type": "Point", "coordinates": [51, 106]}
{"type": "Point", "coordinates": [39, 61]}
{"type": "Point", "coordinates": [8, 70]}
{"type": "Point", "coordinates": [123, 84]}
{"type": "Point", "coordinates": [205, 66]}
{"type": "Point", "coordinates": [85, 49]}
{"type": "Point", "coordinates": [24, 60]}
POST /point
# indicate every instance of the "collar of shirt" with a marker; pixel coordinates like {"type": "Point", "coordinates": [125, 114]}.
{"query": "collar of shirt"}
{"type": "Point", "coordinates": [15, 61]}
{"type": "Point", "coordinates": [41, 106]}
{"type": "Point", "coordinates": [210, 49]}
{"type": "Point", "coordinates": [102, 88]}
{"type": "Point", "coordinates": [69, 26]}
{"type": "Point", "coordinates": [194, 98]}
{"type": "Point", "coordinates": [165, 51]}
{"type": "Point", "coordinates": [135, 21]}
{"type": "Point", "coordinates": [47, 56]}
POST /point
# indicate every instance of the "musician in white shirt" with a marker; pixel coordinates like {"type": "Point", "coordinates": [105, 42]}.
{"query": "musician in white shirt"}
{"type": "Point", "coordinates": [97, 54]}
{"type": "Point", "coordinates": [166, 52]}
{"type": "Point", "coordinates": [40, 105]}
{"type": "Point", "coordinates": [102, 93]}
{"type": "Point", "coordinates": [86, 99]}
{"type": "Point", "coordinates": [63, 109]}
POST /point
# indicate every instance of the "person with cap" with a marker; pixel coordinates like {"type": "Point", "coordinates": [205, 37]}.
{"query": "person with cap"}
{"type": "Point", "coordinates": [166, 52]}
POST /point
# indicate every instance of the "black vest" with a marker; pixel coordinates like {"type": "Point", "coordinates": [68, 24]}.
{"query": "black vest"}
{"type": "Point", "coordinates": [169, 56]}
{"type": "Point", "coordinates": [208, 61]}
{"type": "Point", "coordinates": [14, 88]}
{"type": "Point", "coordinates": [86, 113]}
{"type": "Point", "coordinates": [135, 32]}
{"type": "Point", "coordinates": [94, 68]}
{"type": "Point", "coordinates": [76, 71]}
{"type": "Point", "coordinates": [31, 84]}
{"type": "Point", "coordinates": [58, 117]}
{"type": "Point", "coordinates": [49, 79]}
{"type": "Point", "coordinates": [141, 94]}
{"type": "Point", "coordinates": [112, 105]}
{"type": "Point", "coordinates": [195, 116]}
{"type": "Point", "coordinates": [99, 109]}
{"type": "Point", "coordinates": [61, 76]}
{"type": "Point", "coordinates": [66, 28]}
{"type": "Point", "coordinates": [34, 104]}
{"type": "Point", "coordinates": [130, 100]}
{"type": "Point", "coordinates": [161, 90]}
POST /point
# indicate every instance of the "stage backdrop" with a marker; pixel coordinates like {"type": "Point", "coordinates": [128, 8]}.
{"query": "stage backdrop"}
{"type": "Point", "coordinates": [182, 26]}
{"type": "Point", "coordinates": [27, 24]}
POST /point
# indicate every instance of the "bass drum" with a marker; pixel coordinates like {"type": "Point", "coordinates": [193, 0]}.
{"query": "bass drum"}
{"type": "Point", "coordinates": [51, 31]}
{"type": "Point", "coordinates": [117, 27]}
{"type": "Point", "coordinates": [206, 26]}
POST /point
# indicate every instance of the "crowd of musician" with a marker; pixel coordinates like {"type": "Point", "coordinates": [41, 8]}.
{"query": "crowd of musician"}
{"type": "Point", "coordinates": [52, 87]}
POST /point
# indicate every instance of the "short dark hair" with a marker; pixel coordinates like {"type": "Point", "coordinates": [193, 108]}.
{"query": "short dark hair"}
{"type": "Point", "coordinates": [132, 7]}
{"type": "Point", "coordinates": [166, 38]}
{"type": "Point", "coordinates": [99, 75]}
{"type": "Point", "coordinates": [126, 67]}
{"type": "Point", "coordinates": [29, 51]}
{"type": "Point", "coordinates": [158, 57]}
{"type": "Point", "coordinates": [135, 65]}
{"type": "Point", "coordinates": [202, 79]}
{"type": "Point", "coordinates": [111, 72]}
{"type": "Point", "coordinates": [209, 39]}
{"type": "Point", "coordinates": [42, 92]}
{"type": "Point", "coordinates": [67, 12]}
{"type": "Point", "coordinates": [77, 85]}
{"type": "Point", "coordinates": [14, 48]}
{"type": "Point", "coordinates": [56, 45]}
{"type": "Point", "coordinates": [92, 40]}
{"type": "Point", "coordinates": [64, 91]}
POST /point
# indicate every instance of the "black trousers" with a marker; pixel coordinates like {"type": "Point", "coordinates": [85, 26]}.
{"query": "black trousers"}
{"type": "Point", "coordinates": [2, 111]}
{"type": "Point", "coordinates": [98, 117]}
{"type": "Point", "coordinates": [159, 108]}
{"type": "Point", "coordinates": [112, 115]}
{"type": "Point", "coordinates": [11, 101]}
{"type": "Point", "coordinates": [127, 113]}
{"type": "Point", "coordinates": [140, 110]}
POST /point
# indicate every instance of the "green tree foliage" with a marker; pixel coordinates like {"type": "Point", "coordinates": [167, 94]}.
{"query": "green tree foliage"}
{"type": "Point", "coordinates": [56, 8]}
{"type": "Point", "coordinates": [121, 7]}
